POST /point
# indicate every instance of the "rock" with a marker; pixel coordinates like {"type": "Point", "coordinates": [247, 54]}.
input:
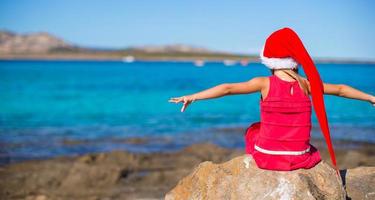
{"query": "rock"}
{"type": "Point", "coordinates": [360, 182]}
{"type": "Point", "coordinates": [37, 197]}
{"type": "Point", "coordinates": [240, 178]}
{"type": "Point", "coordinates": [86, 177]}
{"type": "Point", "coordinates": [354, 158]}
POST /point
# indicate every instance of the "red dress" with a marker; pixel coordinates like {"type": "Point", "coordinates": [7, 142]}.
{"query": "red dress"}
{"type": "Point", "coordinates": [281, 140]}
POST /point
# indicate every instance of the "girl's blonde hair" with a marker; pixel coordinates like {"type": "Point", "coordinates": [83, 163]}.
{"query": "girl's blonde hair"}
{"type": "Point", "coordinates": [302, 82]}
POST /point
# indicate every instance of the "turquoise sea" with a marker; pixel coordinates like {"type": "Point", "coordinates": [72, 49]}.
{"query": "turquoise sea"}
{"type": "Point", "coordinates": [44, 104]}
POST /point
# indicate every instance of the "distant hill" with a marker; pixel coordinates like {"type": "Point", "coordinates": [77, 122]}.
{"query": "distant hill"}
{"type": "Point", "coordinates": [46, 46]}
{"type": "Point", "coordinates": [43, 42]}
{"type": "Point", "coordinates": [30, 43]}
{"type": "Point", "coordinates": [176, 48]}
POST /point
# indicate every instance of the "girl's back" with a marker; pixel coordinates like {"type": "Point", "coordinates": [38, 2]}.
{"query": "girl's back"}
{"type": "Point", "coordinates": [281, 140]}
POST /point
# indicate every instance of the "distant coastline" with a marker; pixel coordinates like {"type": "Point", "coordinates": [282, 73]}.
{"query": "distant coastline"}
{"type": "Point", "coordinates": [119, 56]}
{"type": "Point", "coordinates": [44, 46]}
{"type": "Point", "coordinates": [157, 58]}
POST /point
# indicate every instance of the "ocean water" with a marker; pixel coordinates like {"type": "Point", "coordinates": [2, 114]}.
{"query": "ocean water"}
{"type": "Point", "coordinates": [47, 106]}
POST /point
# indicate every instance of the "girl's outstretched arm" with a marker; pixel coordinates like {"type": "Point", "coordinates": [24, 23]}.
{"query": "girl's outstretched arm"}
{"type": "Point", "coordinates": [337, 89]}
{"type": "Point", "coordinates": [348, 92]}
{"type": "Point", "coordinates": [253, 85]}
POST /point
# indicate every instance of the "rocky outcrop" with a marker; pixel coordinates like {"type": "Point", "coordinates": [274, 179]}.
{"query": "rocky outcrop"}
{"type": "Point", "coordinates": [128, 175]}
{"type": "Point", "coordinates": [111, 175]}
{"type": "Point", "coordinates": [240, 178]}
{"type": "Point", "coordinates": [360, 182]}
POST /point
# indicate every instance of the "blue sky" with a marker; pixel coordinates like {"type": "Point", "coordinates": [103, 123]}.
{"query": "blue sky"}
{"type": "Point", "coordinates": [339, 29]}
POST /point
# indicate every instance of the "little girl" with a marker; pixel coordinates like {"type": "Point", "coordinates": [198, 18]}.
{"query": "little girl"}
{"type": "Point", "coordinates": [281, 140]}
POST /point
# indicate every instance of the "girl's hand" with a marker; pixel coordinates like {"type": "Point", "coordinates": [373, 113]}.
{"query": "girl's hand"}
{"type": "Point", "coordinates": [186, 100]}
{"type": "Point", "coordinates": [372, 100]}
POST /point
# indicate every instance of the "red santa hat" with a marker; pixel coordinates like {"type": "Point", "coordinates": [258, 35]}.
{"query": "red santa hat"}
{"type": "Point", "coordinates": [284, 50]}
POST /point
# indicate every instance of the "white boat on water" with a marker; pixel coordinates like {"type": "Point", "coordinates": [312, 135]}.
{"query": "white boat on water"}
{"type": "Point", "coordinates": [229, 62]}
{"type": "Point", "coordinates": [199, 63]}
{"type": "Point", "coordinates": [128, 59]}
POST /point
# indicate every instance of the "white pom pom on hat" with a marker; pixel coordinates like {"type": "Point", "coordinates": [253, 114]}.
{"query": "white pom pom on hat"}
{"type": "Point", "coordinates": [278, 63]}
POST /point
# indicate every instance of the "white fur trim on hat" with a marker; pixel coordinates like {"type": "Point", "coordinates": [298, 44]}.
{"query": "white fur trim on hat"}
{"type": "Point", "coordinates": [278, 63]}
